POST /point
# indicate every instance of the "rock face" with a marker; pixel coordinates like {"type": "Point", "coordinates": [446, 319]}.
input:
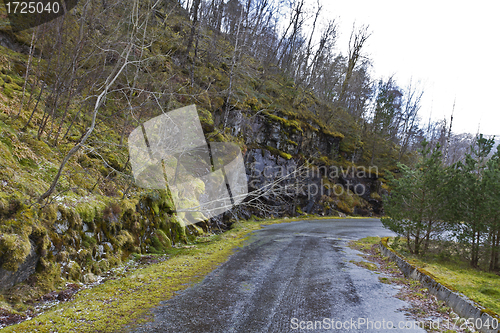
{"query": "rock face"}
{"type": "Point", "coordinates": [278, 150]}
{"type": "Point", "coordinates": [10, 278]}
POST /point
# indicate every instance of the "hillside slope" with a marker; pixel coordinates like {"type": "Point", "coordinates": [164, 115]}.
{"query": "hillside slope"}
{"type": "Point", "coordinates": [96, 216]}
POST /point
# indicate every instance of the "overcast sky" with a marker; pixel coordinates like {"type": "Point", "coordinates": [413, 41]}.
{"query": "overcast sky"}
{"type": "Point", "coordinates": [451, 47]}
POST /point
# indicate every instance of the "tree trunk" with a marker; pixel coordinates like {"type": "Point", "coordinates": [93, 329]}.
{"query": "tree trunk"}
{"type": "Point", "coordinates": [194, 17]}
{"type": "Point", "coordinates": [100, 99]}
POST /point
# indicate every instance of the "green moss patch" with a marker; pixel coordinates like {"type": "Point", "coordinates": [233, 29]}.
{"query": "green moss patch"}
{"type": "Point", "coordinates": [116, 303]}
{"type": "Point", "coordinates": [277, 152]}
{"type": "Point", "coordinates": [294, 124]}
{"type": "Point", "coordinates": [333, 134]}
{"type": "Point", "coordinates": [365, 264]}
{"type": "Point", "coordinates": [366, 243]}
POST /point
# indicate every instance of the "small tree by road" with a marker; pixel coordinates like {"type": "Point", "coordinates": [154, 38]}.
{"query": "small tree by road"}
{"type": "Point", "coordinates": [416, 202]}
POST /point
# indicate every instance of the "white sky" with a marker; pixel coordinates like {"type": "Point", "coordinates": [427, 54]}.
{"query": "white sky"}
{"type": "Point", "coordinates": [451, 47]}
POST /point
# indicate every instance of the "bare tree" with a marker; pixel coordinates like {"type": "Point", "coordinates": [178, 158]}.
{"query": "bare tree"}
{"type": "Point", "coordinates": [123, 60]}
{"type": "Point", "coordinates": [305, 60]}
{"type": "Point", "coordinates": [356, 41]}
{"type": "Point", "coordinates": [235, 57]}
{"type": "Point", "coordinates": [408, 124]}
{"type": "Point", "coordinates": [194, 18]}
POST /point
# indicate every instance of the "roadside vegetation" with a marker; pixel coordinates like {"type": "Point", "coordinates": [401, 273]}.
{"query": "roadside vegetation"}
{"type": "Point", "coordinates": [432, 203]}
{"type": "Point", "coordinates": [447, 219]}
{"type": "Point", "coordinates": [135, 287]}
{"type": "Point", "coordinates": [423, 305]}
{"type": "Point", "coordinates": [445, 261]}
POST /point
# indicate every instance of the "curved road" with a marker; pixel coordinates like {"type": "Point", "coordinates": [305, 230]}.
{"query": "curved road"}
{"type": "Point", "coordinates": [290, 277]}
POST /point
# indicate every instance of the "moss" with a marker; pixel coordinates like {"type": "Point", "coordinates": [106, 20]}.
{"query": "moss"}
{"type": "Point", "coordinates": [87, 241]}
{"type": "Point", "coordinates": [491, 313]}
{"type": "Point", "coordinates": [155, 208]}
{"type": "Point", "coordinates": [345, 207]}
{"type": "Point", "coordinates": [368, 265]}
{"type": "Point", "coordinates": [324, 160]}
{"type": "Point", "coordinates": [8, 90]}
{"type": "Point", "coordinates": [178, 229]}
{"type": "Point", "coordinates": [253, 103]}
{"type": "Point", "coordinates": [73, 271]}
{"type": "Point", "coordinates": [277, 152]}
{"type": "Point", "coordinates": [85, 161]}
{"type": "Point", "coordinates": [333, 134]}
{"type": "Point", "coordinates": [7, 78]}
{"type": "Point", "coordinates": [160, 242]}
{"type": "Point", "coordinates": [124, 240]}
{"type": "Point", "coordinates": [287, 123]}
{"type": "Point", "coordinates": [194, 230]}
{"type": "Point", "coordinates": [19, 81]}
{"type": "Point", "coordinates": [206, 119]}
{"type": "Point", "coordinates": [63, 256]}
{"type": "Point", "coordinates": [89, 210]}
{"type": "Point", "coordinates": [40, 238]}
{"type": "Point", "coordinates": [13, 250]}
{"type": "Point", "coordinates": [384, 280]}
{"type": "Point", "coordinates": [48, 278]}
{"type": "Point", "coordinates": [217, 136]}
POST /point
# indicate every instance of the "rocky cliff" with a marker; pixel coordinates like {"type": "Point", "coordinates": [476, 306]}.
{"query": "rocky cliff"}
{"type": "Point", "coordinates": [302, 164]}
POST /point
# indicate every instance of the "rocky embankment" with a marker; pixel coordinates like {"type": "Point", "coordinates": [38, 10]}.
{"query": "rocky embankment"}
{"type": "Point", "coordinates": [294, 166]}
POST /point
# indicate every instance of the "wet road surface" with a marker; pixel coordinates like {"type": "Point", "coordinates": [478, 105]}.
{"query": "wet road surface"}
{"type": "Point", "coordinates": [289, 276]}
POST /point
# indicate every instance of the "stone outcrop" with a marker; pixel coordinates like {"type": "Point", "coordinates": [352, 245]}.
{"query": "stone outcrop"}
{"type": "Point", "coordinates": [9, 278]}
{"type": "Point", "coordinates": [278, 145]}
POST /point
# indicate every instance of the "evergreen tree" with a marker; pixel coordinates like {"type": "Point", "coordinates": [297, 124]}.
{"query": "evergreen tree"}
{"type": "Point", "coordinates": [468, 198]}
{"type": "Point", "coordinates": [416, 201]}
{"type": "Point", "coordinates": [491, 187]}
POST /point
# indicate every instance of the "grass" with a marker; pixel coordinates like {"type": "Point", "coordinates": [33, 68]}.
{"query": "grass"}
{"type": "Point", "coordinates": [454, 270]}
{"type": "Point", "coordinates": [125, 301]}
{"type": "Point", "coordinates": [116, 303]}
{"type": "Point", "coordinates": [366, 243]}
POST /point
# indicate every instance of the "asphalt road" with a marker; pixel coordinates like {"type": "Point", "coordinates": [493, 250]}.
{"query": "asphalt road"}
{"type": "Point", "coordinates": [290, 277]}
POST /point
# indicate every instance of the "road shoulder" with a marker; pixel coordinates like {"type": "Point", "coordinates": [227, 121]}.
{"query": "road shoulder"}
{"type": "Point", "coordinates": [424, 307]}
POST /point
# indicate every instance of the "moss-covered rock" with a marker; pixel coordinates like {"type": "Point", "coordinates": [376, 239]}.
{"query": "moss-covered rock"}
{"type": "Point", "coordinates": [73, 271]}
{"type": "Point", "coordinates": [194, 230]}
{"type": "Point", "coordinates": [277, 152]}
{"type": "Point", "coordinates": [13, 250]}
{"type": "Point", "coordinates": [178, 229]}
{"type": "Point", "coordinates": [160, 242]}
{"type": "Point", "coordinates": [124, 240]}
